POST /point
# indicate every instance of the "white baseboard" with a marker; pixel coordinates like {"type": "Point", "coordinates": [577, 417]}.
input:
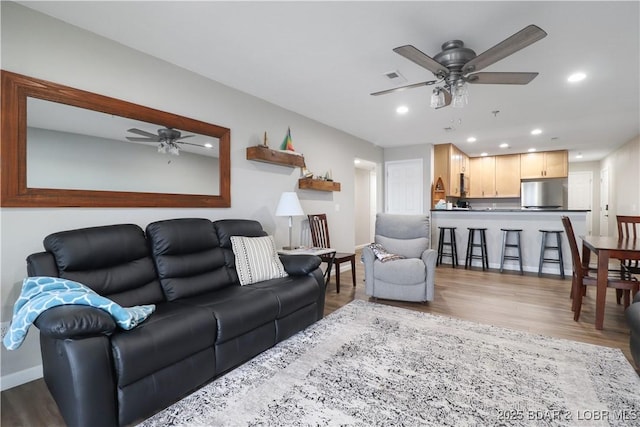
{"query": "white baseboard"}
{"type": "Point", "coordinates": [21, 377]}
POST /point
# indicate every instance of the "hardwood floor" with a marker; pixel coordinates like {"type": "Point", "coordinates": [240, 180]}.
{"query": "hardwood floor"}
{"type": "Point", "coordinates": [526, 303]}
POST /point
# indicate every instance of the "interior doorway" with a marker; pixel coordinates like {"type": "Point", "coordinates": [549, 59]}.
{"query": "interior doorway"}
{"type": "Point", "coordinates": [365, 202]}
{"type": "Point", "coordinates": [404, 187]}
{"type": "Point", "coordinates": [580, 194]}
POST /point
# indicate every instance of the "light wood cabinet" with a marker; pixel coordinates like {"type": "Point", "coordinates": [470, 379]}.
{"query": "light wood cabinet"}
{"type": "Point", "coordinates": [548, 164]}
{"type": "Point", "coordinates": [508, 175]}
{"type": "Point", "coordinates": [482, 176]}
{"type": "Point", "coordinates": [449, 162]}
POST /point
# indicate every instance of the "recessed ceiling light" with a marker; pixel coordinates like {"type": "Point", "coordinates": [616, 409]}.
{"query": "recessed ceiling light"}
{"type": "Point", "coordinates": [579, 156]}
{"type": "Point", "coordinates": [403, 109]}
{"type": "Point", "coordinates": [484, 154]}
{"type": "Point", "coordinates": [531, 150]}
{"type": "Point", "coordinates": [536, 132]}
{"type": "Point", "coordinates": [471, 139]}
{"type": "Point", "coordinates": [576, 77]}
{"type": "Point", "coordinates": [504, 145]}
{"type": "Point", "coordinates": [356, 161]}
{"type": "Point", "coordinates": [208, 145]}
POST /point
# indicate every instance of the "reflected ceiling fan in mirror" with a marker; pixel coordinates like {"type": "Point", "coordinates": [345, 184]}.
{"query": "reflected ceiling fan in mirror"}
{"type": "Point", "coordinates": [168, 139]}
{"type": "Point", "coordinates": [457, 65]}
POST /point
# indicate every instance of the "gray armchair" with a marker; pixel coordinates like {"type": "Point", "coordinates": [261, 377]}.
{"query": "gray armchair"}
{"type": "Point", "coordinates": [411, 278]}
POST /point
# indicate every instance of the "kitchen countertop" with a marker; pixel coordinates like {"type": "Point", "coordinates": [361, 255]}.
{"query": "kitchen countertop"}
{"type": "Point", "coordinates": [514, 210]}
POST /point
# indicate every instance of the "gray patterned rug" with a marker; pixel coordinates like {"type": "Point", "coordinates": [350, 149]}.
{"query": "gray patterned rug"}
{"type": "Point", "coordinates": [370, 364]}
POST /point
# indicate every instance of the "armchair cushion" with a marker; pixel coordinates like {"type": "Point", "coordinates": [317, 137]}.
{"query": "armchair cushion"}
{"type": "Point", "coordinates": [408, 271]}
{"type": "Point", "coordinates": [407, 248]}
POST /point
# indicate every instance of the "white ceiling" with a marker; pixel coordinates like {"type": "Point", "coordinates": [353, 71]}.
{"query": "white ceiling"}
{"type": "Point", "coordinates": [323, 59]}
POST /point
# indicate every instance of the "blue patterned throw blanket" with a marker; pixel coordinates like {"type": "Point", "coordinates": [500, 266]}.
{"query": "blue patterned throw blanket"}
{"type": "Point", "coordinates": [41, 293]}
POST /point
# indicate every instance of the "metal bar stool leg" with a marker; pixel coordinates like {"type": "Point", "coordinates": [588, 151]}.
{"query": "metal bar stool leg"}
{"type": "Point", "coordinates": [505, 233]}
{"type": "Point", "coordinates": [454, 248]}
{"type": "Point", "coordinates": [440, 247]}
{"type": "Point", "coordinates": [561, 262]}
{"type": "Point", "coordinates": [467, 259]}
{"type": "Point", "coordinates": [483, 248]}
{"type": "Point", "coordinates": [543, 244]}
{"type": "Point", "coordinates": [519, 253]}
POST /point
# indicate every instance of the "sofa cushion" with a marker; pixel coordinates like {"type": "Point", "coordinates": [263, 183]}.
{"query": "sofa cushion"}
{"type": "Point", "coordinates": [112, 260]}
{"type": "Point", "coordinates": [188, 257]}
{"type": "Point", "coordinates": [292, 292]}
{"type": "Point", "coordinates": [408, 248]}
{"type": "Point", "coordinates": [256, 259]}
{"type": "Point", "coordinates": [173, 333]}
{"type": "Point", "coordinates": [237, 309]}
{"type": "Point", "coordinates": [401, 272]}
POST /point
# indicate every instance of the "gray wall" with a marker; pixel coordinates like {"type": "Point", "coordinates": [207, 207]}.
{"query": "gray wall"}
{"type": "Point", "coordinates": [40, 46]}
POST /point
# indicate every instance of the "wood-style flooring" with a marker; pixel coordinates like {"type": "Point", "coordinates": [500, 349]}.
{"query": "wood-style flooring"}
{"type": "Point", "coordinates": [526, 303]}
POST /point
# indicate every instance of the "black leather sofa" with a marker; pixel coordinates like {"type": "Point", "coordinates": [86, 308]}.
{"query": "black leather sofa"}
{"type": "Point", "coordinates": [633, 319]}
{"type": "Point", "coordinates": [204, 324]}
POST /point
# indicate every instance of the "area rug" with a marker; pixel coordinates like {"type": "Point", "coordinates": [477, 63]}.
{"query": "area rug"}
{"type": "Point", "coordinates": [374, 365]}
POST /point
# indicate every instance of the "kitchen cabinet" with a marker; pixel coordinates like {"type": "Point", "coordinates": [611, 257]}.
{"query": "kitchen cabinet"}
{"type": "Point", "coordinates": [508, 175]}
{"type": "Point", "coordinates": [449, 163]}
{"type": "Point", "coordinates": [482, 173]}
{"type": "Point", "coordinates": [547, 164]}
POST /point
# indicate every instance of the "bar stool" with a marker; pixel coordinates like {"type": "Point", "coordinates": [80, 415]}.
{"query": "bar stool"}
{"type": "Point", "coordinates": [451, 244]}
{"type": "Point", "coordinates": [544, 246]}
{"type": "Point", "coordinates": [505, 245]}
{"type": "Point", "coordinates": [471, 244]}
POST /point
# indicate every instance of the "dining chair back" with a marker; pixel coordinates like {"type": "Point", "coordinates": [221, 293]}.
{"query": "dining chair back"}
{"type": "Point", "coordinates": [629, 228]}
{"type": "Point", "coordinates": [319, 227]}
{"type": "Point", "coordinates": [581, 278]}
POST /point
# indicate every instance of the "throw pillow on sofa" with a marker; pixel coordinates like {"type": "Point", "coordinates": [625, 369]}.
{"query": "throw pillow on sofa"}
{"type": "Point", "coordinates": [256, 259]}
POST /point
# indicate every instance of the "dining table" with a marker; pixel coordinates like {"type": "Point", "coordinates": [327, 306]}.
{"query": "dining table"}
{"type": "Point", "coordinates": [606, 247]}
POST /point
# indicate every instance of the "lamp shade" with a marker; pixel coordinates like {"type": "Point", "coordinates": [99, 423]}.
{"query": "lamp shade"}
{"type": "Point", "coordinates": [289, 205]}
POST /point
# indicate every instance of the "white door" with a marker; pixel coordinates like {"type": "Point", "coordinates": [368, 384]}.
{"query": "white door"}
{"type": "Point", "coordinates": [403, 187]}
{"type": "Point", "coordinates": [604, 202]}
{"type": "Point", "coordinates": [580, 194]}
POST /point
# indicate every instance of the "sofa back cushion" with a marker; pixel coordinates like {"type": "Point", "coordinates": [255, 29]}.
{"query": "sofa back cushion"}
{"type": "Point", "coordinates": [112, 260]}
{"type": "Point", "coordinates": [188, 257]}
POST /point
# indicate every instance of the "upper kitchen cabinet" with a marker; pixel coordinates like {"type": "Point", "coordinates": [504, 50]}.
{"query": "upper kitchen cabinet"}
{"type": "Point", "coordinates": [482, 172]}
{"type": "Point", "coordinates": [508, 175]}
{"type": "Point", "coordinates": [548, 164]}
{"type": "Point", "coordinates": [449, 163]}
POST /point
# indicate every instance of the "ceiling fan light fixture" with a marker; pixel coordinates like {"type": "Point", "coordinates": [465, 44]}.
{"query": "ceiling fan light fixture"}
{"type": "Point", "coordinates": [460, 94]}
{"type": "Point", "coordinates": [162, 148]}
{"type": "Point", "coordinates": [437, 98]}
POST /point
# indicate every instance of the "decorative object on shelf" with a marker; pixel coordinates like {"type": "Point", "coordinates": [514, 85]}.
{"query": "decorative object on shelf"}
{"type": "Point", "coordinates": [306, 173]}
{"type": "Point", "coordinates": [265, 143]}
{"type": "Point", "coordinates": [327, 176]}
{"type": "Point", "coordinates": [318, 184]}
{"type": "Point", "coordinates": [289, 205]}
{"type": "Point", "coordinates": [287, 144]}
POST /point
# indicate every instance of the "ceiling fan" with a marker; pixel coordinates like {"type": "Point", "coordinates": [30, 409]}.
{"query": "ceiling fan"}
{"type": "Point", "coordinates": [168, 139]}
{"type": "Point", "coordinates": [457, 65]}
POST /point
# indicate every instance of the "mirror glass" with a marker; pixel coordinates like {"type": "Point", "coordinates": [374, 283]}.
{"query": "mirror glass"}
{"type": "Point", "coordinates": [75, 148]}
{"type": "Point", "coordinates": [65, 147]}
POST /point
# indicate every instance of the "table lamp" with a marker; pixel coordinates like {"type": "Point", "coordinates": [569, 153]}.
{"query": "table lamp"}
{"type": "Point", "coordinates": [289, 205]}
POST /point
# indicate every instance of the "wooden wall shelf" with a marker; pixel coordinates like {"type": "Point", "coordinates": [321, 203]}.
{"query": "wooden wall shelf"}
{"type": "Point", "coordinates": [266, 155]}
{"type": "Point", "coordinates": [318, 184]}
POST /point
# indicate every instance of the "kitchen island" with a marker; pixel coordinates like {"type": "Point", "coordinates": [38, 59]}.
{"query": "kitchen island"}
{"type": "Point", "coordinates": [530, 221]}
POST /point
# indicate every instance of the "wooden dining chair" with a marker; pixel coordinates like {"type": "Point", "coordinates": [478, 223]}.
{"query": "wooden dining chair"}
{"type": "Point", "coordinates": [629, 228]}
{"type": "Point", "coordinates": [320, 238]}
{"type": "Point", "coordinates": [582, 277]}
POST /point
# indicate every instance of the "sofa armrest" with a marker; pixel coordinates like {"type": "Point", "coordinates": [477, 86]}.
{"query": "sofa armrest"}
{"type": "Point", "coordinates": [75, 321]}
{"type": "Point", "coordinates": [368, 259]}
{"type": "Point", "coordinates": [300, 265]}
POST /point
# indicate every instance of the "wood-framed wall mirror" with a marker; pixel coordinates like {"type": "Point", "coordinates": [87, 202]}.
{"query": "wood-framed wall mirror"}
{"type": "Point", "coordinates": [65, 147]}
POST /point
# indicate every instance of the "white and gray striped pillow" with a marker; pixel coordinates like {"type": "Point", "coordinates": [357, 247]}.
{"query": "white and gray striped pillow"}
{"type": "Point", "coordinates": [256, 259]}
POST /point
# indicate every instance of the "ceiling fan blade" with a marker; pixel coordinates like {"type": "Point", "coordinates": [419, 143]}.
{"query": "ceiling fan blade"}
{"type": "Point", "coordinates": [183, 137]}
{"type": "Point", "coordinates": [519, 40]}
{"type": "Point", "coordinates": [423, 60]}
{"type": "Point", "coordinates": [143, 133]}
{"type": "Point", "coordinates": [190, 143]}
{"type": "Point", "coordinates": [447, 98]}
{"type": "Point", "coordinates": [133, 139]}
{"type": "Point", "coordinates": [401, 88]}
{"type": "Point", "coordinates": [501, 78]}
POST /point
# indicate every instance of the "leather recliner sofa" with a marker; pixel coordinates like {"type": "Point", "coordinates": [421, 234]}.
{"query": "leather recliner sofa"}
{"type": "Point", "coordinates": [204, 325]}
